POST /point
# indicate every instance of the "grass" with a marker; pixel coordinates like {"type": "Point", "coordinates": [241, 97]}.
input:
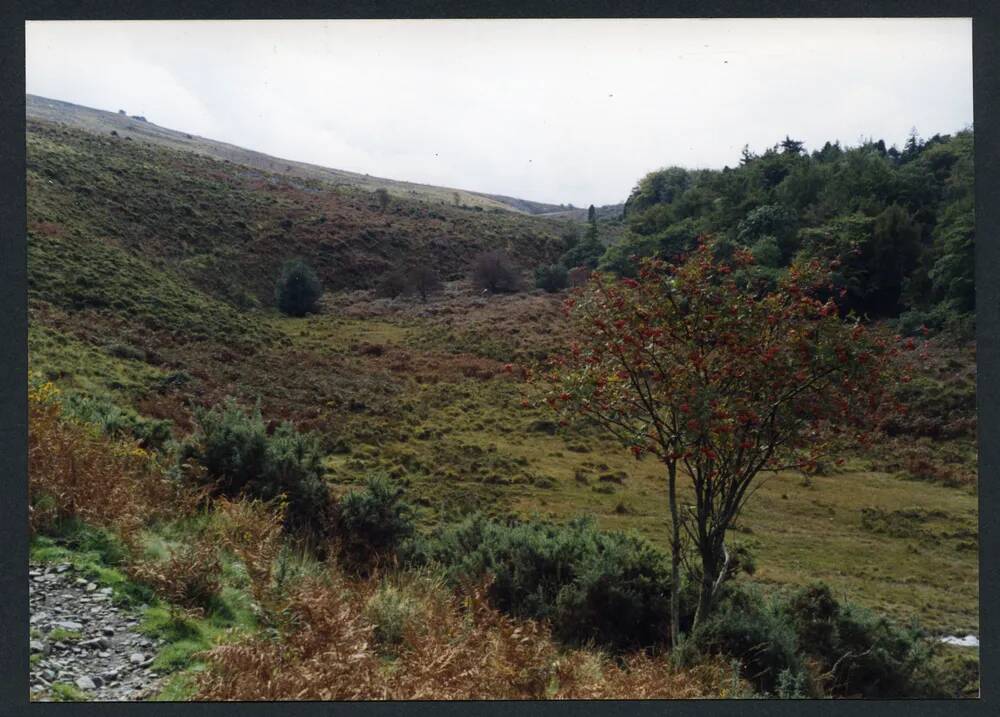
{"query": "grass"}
{"type": "Point", "coordinates": [102, 122]}
{"type": "Point", "coordinates": [60, 634]}
{"type": "Point", "coordinates": [65, 692]}
{"type": "Point", "coordinates": [82, 367]}
{"type": "Point", "coordinates": [464, 444]}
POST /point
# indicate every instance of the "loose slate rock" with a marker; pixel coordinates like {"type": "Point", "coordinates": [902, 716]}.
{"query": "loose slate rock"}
{"type": "Point", "coordinates": [99, 664]}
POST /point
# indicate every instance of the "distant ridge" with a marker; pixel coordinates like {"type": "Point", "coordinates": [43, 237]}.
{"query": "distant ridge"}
{"type": "Point", "coordinates": [140, 128]}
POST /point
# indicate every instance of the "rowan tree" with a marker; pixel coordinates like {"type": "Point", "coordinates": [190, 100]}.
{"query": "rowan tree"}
{"type": "Point", "coordinates": [722, 382]}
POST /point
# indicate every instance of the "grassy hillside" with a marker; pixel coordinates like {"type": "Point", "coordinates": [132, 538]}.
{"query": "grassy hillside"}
{"type": "Point", "coordinates": [141, 129]}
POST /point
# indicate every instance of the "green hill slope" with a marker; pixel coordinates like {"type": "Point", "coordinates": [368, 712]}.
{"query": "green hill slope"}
{"type": "Point", "coordinates": [140, 129]}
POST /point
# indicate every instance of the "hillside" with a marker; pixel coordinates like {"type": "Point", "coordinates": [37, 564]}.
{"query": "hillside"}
{"type": "Point", "coordinates": [561, 211]}
{"type": "Point", "coordinates": [102, 122]}
{"type": "Point", "coordinates": [211, 221]}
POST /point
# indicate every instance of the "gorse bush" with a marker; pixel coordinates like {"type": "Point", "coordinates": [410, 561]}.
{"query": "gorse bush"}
{"type": "Point", "coordinates": [609, 588]}
{"type": "Point", "coordinates": [753, 631]}
{"type": "Point", "coordinates": [862, 653]}
{"type": "Point", "coordinates": [298, 288]}
{"type": "Point", "coordinates": [372, 524]}
{"type": "Point", "coordinates": [551, 277]}
{"type": "Point", "coordinates": [810, 644]}
{"type": "Point", "coordinates": [239, 458]}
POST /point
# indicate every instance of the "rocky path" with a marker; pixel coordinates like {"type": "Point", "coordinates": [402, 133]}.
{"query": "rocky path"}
{"type": "Point", "coordinates": [86, 641]}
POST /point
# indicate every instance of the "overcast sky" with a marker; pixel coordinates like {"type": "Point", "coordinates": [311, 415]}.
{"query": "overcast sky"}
{"type": "Point", "coordinates": [563, 111]}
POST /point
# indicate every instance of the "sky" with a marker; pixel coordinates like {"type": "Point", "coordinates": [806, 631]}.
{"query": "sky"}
{"type": "Point", "coordinates": [561, 111]}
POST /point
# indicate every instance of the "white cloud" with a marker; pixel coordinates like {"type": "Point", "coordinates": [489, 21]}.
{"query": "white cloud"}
{"type": "Point", "coordinates": [552, 110]}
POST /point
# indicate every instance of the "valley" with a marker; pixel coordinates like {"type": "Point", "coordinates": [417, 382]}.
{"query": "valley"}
{"type": "Point", "coordinates": [152, 266]}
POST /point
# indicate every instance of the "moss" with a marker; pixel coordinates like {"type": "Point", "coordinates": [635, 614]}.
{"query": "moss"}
{"type": "Point", "coordinates": [60, 634]}
{"type": "Point", "coordinates": [64, 692]}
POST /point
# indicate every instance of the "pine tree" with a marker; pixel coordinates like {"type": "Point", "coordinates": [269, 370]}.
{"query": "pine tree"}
{"type": "Point", "coordinates": [298, 288]}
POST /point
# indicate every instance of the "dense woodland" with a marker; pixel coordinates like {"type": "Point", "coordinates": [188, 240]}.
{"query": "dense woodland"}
{"type": "Point", "coordinates": [898, 227]}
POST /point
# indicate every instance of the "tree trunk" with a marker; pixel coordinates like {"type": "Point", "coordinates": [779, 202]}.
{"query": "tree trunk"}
{"type": "Point", "coordinates": [675, 557]}
{"type": "Point", "coordinates": [704, 596]}
{"type": "Point", "coordinates": [712, 577]}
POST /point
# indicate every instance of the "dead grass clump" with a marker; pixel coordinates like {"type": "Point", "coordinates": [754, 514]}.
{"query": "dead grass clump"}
{"type": "Point", "coordinates": [469, 650]}
{"type": "Point", "coordinates": [75, 473]}
{"type": "Point", "coordinates": [593, 676]}
{"type": "Point", "coordinates": [189, 577]}
{"type": "Point", "coordinates": [324, 653]}
{"type": "Point", "coordinates": [252, 531]}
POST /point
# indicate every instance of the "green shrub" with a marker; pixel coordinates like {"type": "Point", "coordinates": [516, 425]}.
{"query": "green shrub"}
{"type": "Point", "coordinates": [372, 524]}
{"type": "Point", "coordinates": [609, 588]}
{"type": "Point", "coordinates": [587, 252]}
{"type": "Point", "coordinates": [756, 633]}
{"type": "Point", "coordinates": [863, 653]}
{"type": "Point", "coordinates": [551, 277]}
{"type": "Point", "coordinates": [938, 319]}
{"type": "Point", "coordinates": [813, 613]}
{"type": "Point", "coordinates": [240, 458]}
{"type": "Point", "coordinates": [883, 660]}
{"type": "Point", "coordinates": [298, 289]}
{"type": "Point", "coordinates": [103, 545]}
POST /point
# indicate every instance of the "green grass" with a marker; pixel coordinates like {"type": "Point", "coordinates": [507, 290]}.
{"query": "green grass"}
{"type": "Point", "coordinates": [65, 692]}
{"type": "Point", "coordinates": [63, 635]}
{"type": "Point", "coordinates": [467, 444]}
{"type": "Point", "coordinates": [81, 367]}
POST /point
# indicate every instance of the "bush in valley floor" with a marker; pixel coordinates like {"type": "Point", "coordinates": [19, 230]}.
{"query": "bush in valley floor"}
{"type": "Point", "coordinates": [810, 643]}
{"type": "Point", "coordinates": [494, 271]}
{"type": "Point", "coordinates": [419, 279]}
{"type": "Point", "coordinates": [240, 457]}
{"type": "Point", "coordinates": [298, 288]}
{"type": "Point", "coordinates": [392, 283]}
{"type": "Point", "coordinates": [78, 474]}
{"type": "Point", "coordinates": [551, 277]}
{"type": "Point", "coordinates": [608, 588]}
{"type": "Point", "coordinates": [371, 525]}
